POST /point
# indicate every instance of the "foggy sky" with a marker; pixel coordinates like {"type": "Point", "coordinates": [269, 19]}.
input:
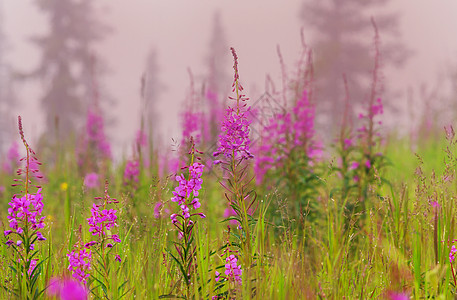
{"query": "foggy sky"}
{"type": "Point", "coordinates": [179, 30]}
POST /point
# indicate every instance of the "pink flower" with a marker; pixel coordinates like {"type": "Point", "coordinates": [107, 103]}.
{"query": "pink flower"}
{"type": "Point", "coordinates": [398, 296]}
{"type": "Point", "coordinates": [354, 165]}
{"type": "Point", "coordinates": [91, 180]}
{"type": "Point", "coordinates": [132, 171]}
{"type": "Point", "coordinates": [348, 143]}
{"type": "Point", "coordinates": [101, 220]}
{"type": "Point", "coordinates": [80, 264]}
{"type": "Point", "coordinates": [66, 289]}
{"type": "Point", "coordinates": [141, 138]}
{"type": "Point", "coordinates": [232, 270]}
{"type": "Point", "coordinates": [229, 211]}
{"type": "Point", "coordinates": [452, 254]}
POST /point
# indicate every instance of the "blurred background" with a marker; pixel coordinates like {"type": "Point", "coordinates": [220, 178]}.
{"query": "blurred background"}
{"type": "Point", "coordinates": [138, 59]}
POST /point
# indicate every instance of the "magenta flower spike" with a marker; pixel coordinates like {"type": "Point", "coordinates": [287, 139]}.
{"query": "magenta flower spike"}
{"type": "Point", "coordinates": [234, 142]}
{"type": "Point", "coordinates": [80, 264]}
{"type": "Point", "coordinates": [132, 171]}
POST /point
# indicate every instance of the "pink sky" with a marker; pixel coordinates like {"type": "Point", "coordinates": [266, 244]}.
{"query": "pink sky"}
{"type": "Point", "coordinates": [179, 31]}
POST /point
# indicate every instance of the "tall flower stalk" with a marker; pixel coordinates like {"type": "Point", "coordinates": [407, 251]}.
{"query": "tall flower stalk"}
{"type": "Point", "coordinates": [186, 195]}
{"type": "Point", "coordinates": [102, 223]}
{"type": "Point", "coordinates": [25, 222]}
{"type": "Point", "coordinates": [234, 150]}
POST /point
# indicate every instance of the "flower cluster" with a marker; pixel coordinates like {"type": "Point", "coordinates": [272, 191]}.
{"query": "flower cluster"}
{"type": "Point", "coordinates": [66, 289]}
{"type": "Point", "coordinates": [232, 270]}
{"type": "Point", "coordinates": [188, 187]}
{"type": "Point", "coordinates": [91, 180]}
{"type": "Point", "coordinates": [80, 264]}
{"type": "Point", "coordinates": [24, 213]}
{"type": "Point", "coordinates": [141, 138]}
{"type": "Point", "coordinates": [132, 171]}
{"type": "Point", "coordinates": [93, 147]}
{"type": "Point", "coordinates": [285, 132]}
{"type": "Point", "coordinates": [186, 195]}
{"type": "Point", "coordinates": [95, 132]}
{"type": "Point", "coordinates": [234, 142]}
{"type": "Point", "coordinates": [375, 109]}
{"type": "Point", "coordinates": [101, 220]}
{"type": "Point", "coordinates": [452, 254]}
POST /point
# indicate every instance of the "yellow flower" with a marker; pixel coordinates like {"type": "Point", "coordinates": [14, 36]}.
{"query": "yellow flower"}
{"type": "Point", "coordinates": [63, 186]}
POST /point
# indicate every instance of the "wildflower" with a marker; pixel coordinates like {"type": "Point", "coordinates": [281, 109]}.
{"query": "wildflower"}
{"type": "Point", "coordinates": [132, 171]}
{"type": "Point", "coordinates": [40, 236]}
{"type": "Point", "coordinates": [66, 289]}
{"type": "Point", "coordinates": [101, 220]}
{"type": "Point", "coordinates": [63, 186]}
{"type": "Point", "coordinates": [91, 180]}
{"type": "Point", "coordinates": [90, 244]}
{"type": "Point", "coordinates": [141, 138]}
{"type": "Point", "coordinates": [72, 290]}
{"type": "Point", "coordinates": [27, 211]}
{"type": "Point", "coordinates": [348, 143]}
{"type": "Point", "coordinates": [32, 266]}
{"type": "Point", "coordinates": [118, 258]}
{"type": "Point", "coordinates": [398, 296]}
{"type": "Point", "coordinates": [80, 264]}
{"type": "Point", "coordinates": [116, 238]}
{"type": "Point", "coordinates": [354, 165]}
{"type": "Point", "coordinates": [232, 269]}
{"type": "Point", "coordinates": [234, 142]}
{"type": "Point", "coordinates": [452, 254]}
{"type": "Point", "coordinates": [188, 187]}
{"type": "Point", "coordinates": [229, 211]}
{"type": "Point", "coordinates": [95, 132]}
{"type": "Point", "coordinates": [158, 210]}
{"type": "Point", "coordinates": [435, 204]}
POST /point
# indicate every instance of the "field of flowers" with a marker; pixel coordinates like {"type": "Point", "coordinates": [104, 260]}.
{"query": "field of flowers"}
{"type": "Point", "coordinates": [249, 206]}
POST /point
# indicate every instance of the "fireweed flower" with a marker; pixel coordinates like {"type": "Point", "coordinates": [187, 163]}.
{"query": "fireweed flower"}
{"type": "Point", "coordinates": [232, 270]}
{"type": "Point", "coordinates": [80, 264]}
{"type": "Point", "coordinates": [91, 180]}
{"type": "Point", "coordinates": [141, 138]}
{"type": "Point", "coordinates": [186, 196]}
{"type": "Point", "coordinates": [25, 219]}
{"type": "Point", "coordinates": [93, 146]}
{"type": "Point", "coordinates": [132, 171]}
{"type": "Point", "coordinates": [452, 254]}
{"type": "Point", "coordinates": [66, 289]}
{"type": "Point", "coordinates": [95, 132]}
{"type": "Point", "coordinates": [101, 220]}
{"type": "Point", "coordinates": [26, 211]}
{"type": "Point", "coordinates": [186, 193]}
{"type": "Point", "coordinates": [284, 133]}
{"type": "Point", "coordinates": [191, 117]}
{"type": "Point", "coordinates": [234, 142]}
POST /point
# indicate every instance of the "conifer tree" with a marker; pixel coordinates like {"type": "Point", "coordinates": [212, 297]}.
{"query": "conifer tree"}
{"type": "Point", "coordinates": [343, 44]}
{"type": "Point", "coordinates": [66, 67]}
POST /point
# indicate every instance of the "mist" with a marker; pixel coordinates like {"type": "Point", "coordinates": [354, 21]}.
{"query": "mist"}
{"type": "Point", "coordinates": [179, 32]}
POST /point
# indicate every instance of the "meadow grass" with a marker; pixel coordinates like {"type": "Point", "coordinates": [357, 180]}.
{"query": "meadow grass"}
{"type": "Point", "coordinates": [398, 245]}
